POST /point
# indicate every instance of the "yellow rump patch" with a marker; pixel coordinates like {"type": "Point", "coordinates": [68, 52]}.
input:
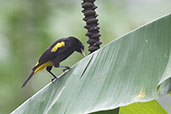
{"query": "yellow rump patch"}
{"type": "Point", "coordinates": [49, 63]}
{"type": "Point", "coordinates": [37, 63]}
{"type": "Point", "coordinates": [58, 45]}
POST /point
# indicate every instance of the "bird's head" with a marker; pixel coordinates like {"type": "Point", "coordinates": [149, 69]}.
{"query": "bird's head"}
{"type": "Point", "coordinates": [79, 47]}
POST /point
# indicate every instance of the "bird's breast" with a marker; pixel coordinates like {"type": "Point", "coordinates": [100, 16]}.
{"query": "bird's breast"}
{"type": "Point", "coordinates": [62, 56]}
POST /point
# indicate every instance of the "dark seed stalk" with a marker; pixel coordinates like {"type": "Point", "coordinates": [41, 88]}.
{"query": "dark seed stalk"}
{"type": "Point", "coordinates": [91, 25]}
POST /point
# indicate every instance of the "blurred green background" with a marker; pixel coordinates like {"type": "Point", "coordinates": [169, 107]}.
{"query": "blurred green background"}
{"type": "Point", "coordinates": [28, 27]}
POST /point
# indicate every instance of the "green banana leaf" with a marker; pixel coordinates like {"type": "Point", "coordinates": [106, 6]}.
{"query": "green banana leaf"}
{"type": "Point", "coordinates": [133, 68]}
{"type": "Point", "coordinates": [151, 107]}
{"type": "Point", "coordinates": [115, 111]}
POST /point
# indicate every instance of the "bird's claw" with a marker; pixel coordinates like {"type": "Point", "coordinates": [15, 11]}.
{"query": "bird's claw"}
{"type": "Point", "coordinates": [53, 79]}
{"type": "Point", "coordinates": [66, 68]}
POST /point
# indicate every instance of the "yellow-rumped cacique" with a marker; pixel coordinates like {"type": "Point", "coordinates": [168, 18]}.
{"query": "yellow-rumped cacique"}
{"type": "Point", "coordinates": [56, 53]}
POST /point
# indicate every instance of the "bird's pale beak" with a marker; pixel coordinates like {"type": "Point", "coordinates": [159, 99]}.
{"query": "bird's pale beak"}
{"type": "Point", "coordinates": [82, 53]}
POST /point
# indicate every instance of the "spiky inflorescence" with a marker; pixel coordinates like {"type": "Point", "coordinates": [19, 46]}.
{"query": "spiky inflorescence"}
{"type": "Point", "coordinates": [91, 24]}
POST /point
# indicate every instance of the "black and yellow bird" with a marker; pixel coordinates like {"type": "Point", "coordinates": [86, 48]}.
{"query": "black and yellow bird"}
{"type": "Point", "coordinates": [57, 52]}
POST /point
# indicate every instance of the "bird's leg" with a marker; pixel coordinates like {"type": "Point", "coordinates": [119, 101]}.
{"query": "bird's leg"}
{"type": "Point", "coordinates": [65, 68]}
{"type": "Point", "coordinates": [49, 68]}
{"type": "Point", "coordinates": [56, 64]}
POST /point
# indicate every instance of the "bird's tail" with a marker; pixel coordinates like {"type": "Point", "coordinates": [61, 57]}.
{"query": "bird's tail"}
{"type": "Point", "coordinates": [28, 79]}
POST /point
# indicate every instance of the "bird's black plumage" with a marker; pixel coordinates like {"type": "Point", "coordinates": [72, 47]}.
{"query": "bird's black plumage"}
{"type": "Point", "coordinates": [57, 52]}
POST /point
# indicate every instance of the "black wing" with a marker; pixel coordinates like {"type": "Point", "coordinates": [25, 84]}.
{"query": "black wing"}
{"type": "Point", "coordinates": [49, 55]}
